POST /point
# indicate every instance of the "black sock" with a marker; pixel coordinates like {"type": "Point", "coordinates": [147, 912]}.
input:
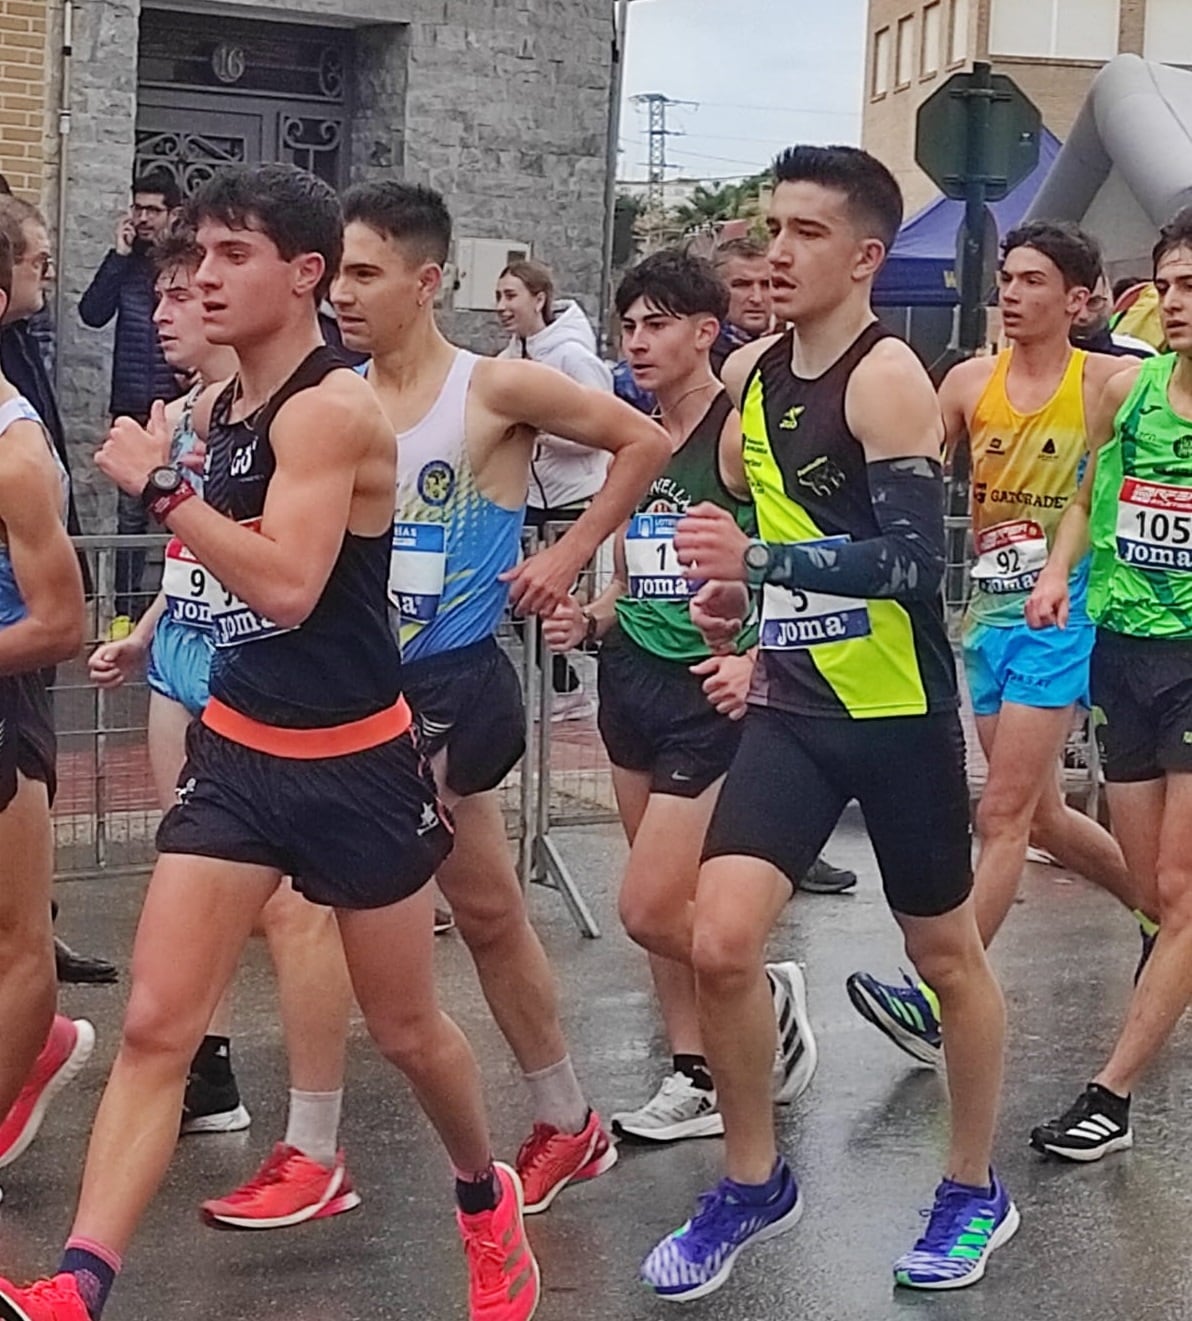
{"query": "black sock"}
{"type": "Point", "coordinates": [213, 1059]}
{"type": "Point", "coordinates": [94, 1274]}
{"type": "Point", "coordinates": [695, 1069]}
{"type": "Point", "coordinates": [479, 1193]}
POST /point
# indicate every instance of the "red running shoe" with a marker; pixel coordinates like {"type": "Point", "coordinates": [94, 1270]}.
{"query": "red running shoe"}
{"type": "Point", "coordinates": [45, 1300]}
{"type": "Point", "coordinates": [67, 1049]}
{"type": "Point", "coordinates": [503, 1279]}
{"type": "Point", "coordinates": [550, 1160]}
{"type": "Point", "coordinates": [288, 1189]}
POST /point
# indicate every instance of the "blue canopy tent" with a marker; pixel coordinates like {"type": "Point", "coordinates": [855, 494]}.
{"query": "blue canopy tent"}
{"type": "Point", "coordinates": [921, 270]}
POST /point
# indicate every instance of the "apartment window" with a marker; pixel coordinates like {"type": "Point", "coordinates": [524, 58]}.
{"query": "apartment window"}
{"type": "Point", "coordinates": [904, 69]}
{"type": "Point", "coordinates": [1057, 29]}
{"type": "Point", "coordinates": [958, 30]}
{"type": "Point", "coordinates": [929, 56]}
{"type": "Point", "coordinates": [1168, 32]}
{"type": "Point", "coordinates": [881, 62]}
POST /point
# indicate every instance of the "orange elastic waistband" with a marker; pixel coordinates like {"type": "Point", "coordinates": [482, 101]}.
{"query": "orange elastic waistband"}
{"type": "Point", "coordinates": [308, 744]}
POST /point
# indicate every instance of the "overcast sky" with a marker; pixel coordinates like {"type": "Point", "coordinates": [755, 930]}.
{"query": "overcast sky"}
{"type": "Point", "coordinates": [765, 73]}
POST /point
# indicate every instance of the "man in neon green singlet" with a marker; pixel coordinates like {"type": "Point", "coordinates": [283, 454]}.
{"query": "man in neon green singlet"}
{"type": "Point", "coordinates": [1135, 508]}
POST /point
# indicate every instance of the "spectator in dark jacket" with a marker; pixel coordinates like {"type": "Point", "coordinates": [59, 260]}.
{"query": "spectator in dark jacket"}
{"type": "Point", "coordinates": [123, 288]}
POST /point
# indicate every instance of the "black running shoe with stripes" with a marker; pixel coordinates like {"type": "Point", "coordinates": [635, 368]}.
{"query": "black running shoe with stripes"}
{"type": "Point", "coordinates": [796, 1056]}
{"type": "Point", "coordinates": [1097, 1124]}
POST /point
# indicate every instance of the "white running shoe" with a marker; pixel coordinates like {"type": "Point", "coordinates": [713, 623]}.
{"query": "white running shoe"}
{"type": "Point", "coordinates": [679, 1109]}
{"type": "Point", "coordinates": [796, 1056]}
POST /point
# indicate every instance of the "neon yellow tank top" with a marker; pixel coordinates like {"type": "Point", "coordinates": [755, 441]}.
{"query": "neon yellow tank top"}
{"type": "Point", "coordinates": [1026, 468]}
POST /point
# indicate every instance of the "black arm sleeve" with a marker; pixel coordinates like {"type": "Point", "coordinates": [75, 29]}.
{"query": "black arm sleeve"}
{"type": "Point", "coordinates": [905, 563]}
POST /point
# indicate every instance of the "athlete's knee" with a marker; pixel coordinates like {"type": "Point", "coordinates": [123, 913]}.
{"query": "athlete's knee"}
{"type": "Point", "coordinates": [648, 922]}
{"type": "Point", "coordinates": [724, 954]}
{"type": "Point", "coordinates": [1174, 891]}
{"type": "Point", "coordinates": [406, 1037]}
{"type": "Point", "coordinates": [156, 1028]}
{"type": "Point", "coordinates": [488, 916]}
{"type": "Point", "coordinates": [945, 957]}
{"type": "Point", "coordinates": [1004, 813]}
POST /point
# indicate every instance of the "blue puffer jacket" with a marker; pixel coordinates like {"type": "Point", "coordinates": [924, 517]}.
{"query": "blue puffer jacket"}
{"type": "Point", "coordinates": [123, 288]}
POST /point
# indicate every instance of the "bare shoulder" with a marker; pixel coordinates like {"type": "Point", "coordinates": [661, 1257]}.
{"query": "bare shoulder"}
{"type": "Point", "coordinates": [891, 365]}
{"type": "Point", "coordinates": [342, 406]}
{"type": "Point", "coordinates": [1101, 368]}
{"type": "Point", "coordinates": [1117, 384]}
{"type": "Point", "coordinates": [740, 363]}
{"type": "Point", "coordinates": [504, 384]}
{"type": "Point", "coordinates": [26, 464]}
{"type": "Point", "coordinates": [967, 379]}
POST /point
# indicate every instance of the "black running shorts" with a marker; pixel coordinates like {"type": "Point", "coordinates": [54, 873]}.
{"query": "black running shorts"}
{"type": "Point", "coordinates": [362, 830]}
{"type": "Point", "coordinates": [27, 740]}
{"type": "Point", "coordinates": [1142, 706]}
{"type": "Point", "coordinates": [469, 701]}
{"type": "Point", "coordinates": [655, 718]}
{"type": "Point", "coordinates": [794, 775]}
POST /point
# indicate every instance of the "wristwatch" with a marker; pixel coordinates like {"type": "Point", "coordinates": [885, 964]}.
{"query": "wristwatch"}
{"type": "Point", "coordinates": [757, 562]}
{"type": "Point", "coordinates": [165, 489]}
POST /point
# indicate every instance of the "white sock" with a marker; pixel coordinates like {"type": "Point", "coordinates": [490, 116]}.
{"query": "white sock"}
{"type": "Point", "coordinates": [557, 1098]}
{"type": "Point", "coordinates": [313, 1124]}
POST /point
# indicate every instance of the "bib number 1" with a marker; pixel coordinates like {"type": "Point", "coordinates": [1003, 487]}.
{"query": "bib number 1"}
{"type": "Point", "coordinates": [654, 570]}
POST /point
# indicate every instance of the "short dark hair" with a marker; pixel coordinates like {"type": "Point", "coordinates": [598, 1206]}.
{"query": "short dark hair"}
{"type": "Point", "coordinates": [176, 249]}
{"type": "Point", "coordinates": [14, 211]}
{"type": "Point", "coordinates": [1076, 253]}
{"type": "Point", "coordinates": [750, 249]}
{"type": "Point", "coordinates": [410, 213]}
{"type": "Point", "coordinates": [161, 182]}
{"type": "Point", "coordinates": [295, 209]}
{"type": "Point", "coordinates": [873, 195]}
{"type": "Point", "coordinates": [1177, 233]}
{"type": "Point", "coordinates": [675, 283]}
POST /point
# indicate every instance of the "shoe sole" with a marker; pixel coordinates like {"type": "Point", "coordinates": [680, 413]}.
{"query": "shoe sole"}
{"type": "Point", "coordinates": [71, 1067]}
{"type": "Point", "coordinates": [1088, 1155]}
{"type": "Point", "coordinates": [227, 1121]}
{"type": "Point", "coordinates": [787, 1223]}
{"type": "Point", "coordinates": [893, 1031]}
{"type": "Point", "coordinates": [348, 1201]}
{"type": "Point", "coordinates": [1000, 1237]}
{"type": "Point", "coordinates": [820, 887]}
{"type": "Point", "coordinates": [794, 1084]}
{"type": "Point", "coordinates": [706, 1126]}
{"type": "Point", "coordinates": [9, 1311]}
{"type": "Point", "coordinates": [545, 1203]}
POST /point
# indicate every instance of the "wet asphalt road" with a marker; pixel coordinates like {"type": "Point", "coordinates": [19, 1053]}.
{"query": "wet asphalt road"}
{"type": "Point", "coordinates": [1107, 1241]}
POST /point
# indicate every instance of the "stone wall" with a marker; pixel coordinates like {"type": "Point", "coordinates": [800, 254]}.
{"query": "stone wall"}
{"type": "Point", "coordinates": [502, 106]}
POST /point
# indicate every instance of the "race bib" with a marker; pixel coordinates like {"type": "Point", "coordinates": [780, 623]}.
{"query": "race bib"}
{"type": "Point", "coordinates": [1010, 557]}
{"type": "Point", "coordinates": [1154, 526]}
{"type": "Point", "coordinates": [234, 621]}
{"type": "Point", "coordinates": [191, 592]}
{"type": "Point", "coordinates": [793, 620]}
{"type": "Point", "coordinates": [654, 571]}
{"type": "Point", "coordinates": [417, 570]}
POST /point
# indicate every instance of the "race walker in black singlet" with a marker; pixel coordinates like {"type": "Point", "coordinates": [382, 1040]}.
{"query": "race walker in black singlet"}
{"type": "Point", "coordinates": [305, 757]}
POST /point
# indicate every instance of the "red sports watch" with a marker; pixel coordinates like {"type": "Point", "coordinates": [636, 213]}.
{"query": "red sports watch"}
{"type": "Point", "coordinates": [164, 491]}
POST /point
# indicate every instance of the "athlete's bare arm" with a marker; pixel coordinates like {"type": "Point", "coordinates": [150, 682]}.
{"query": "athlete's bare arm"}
{"type": "Point", "coordinates": [336, 470]}
{"type": "Point", "coordinates": [1049, 603]}
{"type": "Point", "coordinates": [958, 396]}
{"type": "Point", "coordinates": [528, 394]}
{"type": "Point", "coordinates": [43, 560]}
{"type": "Point", "coordinates": [567, 624]}
{"type": "Point", "coordinates": [732, 457]}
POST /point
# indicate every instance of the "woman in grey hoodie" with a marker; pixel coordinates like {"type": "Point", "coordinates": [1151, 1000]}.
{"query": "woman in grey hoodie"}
{"type": "Point", "coordinates": [564, 476]}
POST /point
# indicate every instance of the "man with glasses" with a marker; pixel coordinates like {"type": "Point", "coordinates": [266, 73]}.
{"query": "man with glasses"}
{"type": "Point", "coordinates": [123, 289]}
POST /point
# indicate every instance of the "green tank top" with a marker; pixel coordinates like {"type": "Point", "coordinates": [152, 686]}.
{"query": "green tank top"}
{"type": "Point", "coordinates": [654, 612]}
{"type": "Point", "coordinates": [1140, 521]}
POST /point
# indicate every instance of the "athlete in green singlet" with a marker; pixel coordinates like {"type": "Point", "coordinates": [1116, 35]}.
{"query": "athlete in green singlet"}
{"type": "Point", "coordinates": [1135, 507]}
{"type": "Point", "coordinates": [670, 710]}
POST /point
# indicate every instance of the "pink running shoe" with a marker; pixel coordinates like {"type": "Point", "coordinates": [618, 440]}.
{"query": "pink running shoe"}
{"type": "Point", "coordinates": [44, 1300]}
{"type": "Point", "coordinates": [550, 1160]}
{"type": "Point", "coordinates": [67, 1049]}
{"type": "Point", "coordinates": [503, 1279]}
{"type": "Point", "coordinates": [288, 1189]}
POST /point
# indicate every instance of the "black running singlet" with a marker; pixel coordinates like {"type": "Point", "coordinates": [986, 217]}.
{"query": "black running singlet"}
{"type": "Point", "coordinates": [342, 662]}
{"type": "Point", "coordinates": [822, 655]}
